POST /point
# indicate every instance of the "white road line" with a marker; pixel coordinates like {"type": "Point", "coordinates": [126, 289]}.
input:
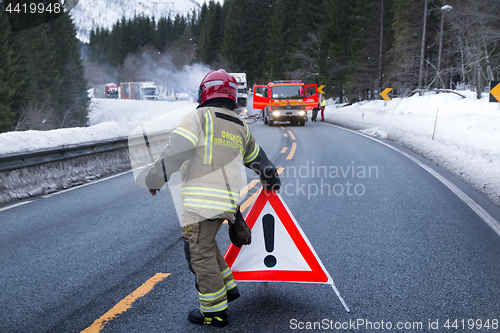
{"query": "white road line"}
{"type": "Point", "coordinates": [490, 220]}
{"type": "Point", "coordinates": [15, 205]}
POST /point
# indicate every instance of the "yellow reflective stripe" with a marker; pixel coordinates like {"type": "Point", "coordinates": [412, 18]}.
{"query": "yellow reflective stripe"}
{"type": "Point", "coordinates": [225, 273]}
{"type": "Point", "coordinates": [209, 130]}
{"type": "Point", "coordinates": [230, 285]}
{"type": "Point", "coordinates": [248, 134]}
{"type": "Point", "coordinates": [208, 193]}
{"type": "Point", "coordinates": [212, 296]}
{"type": "Point", "coordinates": [211, 195]}
{"type": "Point", "coordinates": [209, 204]}
{"type": "Point", "coordinates": [253, 155]}
{"type": "Point", "coordinates": [209, 190]}
{"type": "Point", "coordinates": [218, 307]}
{"type": "Point", "coordinates": [187, 134]}
{"type": "Point", "coordinates": [210, 319]}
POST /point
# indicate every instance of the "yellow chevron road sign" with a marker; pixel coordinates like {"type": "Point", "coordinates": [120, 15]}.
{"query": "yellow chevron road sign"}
{"type": "Point", "coordinates": [385, 93]}
{"type": "Point", "coordinates": [495, 92]}
{"type": "Point", "coordinates": [320, 89]}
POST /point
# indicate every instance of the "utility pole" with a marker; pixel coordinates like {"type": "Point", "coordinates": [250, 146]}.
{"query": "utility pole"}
{"type": "Point", "coordinates": [441, 47]}
{"type": "Point", "coordinates": [444, 9]}
{"type": "Point", "coordinates": [381, 47]}
{"type": "Point", "coordinates": [422, 52]}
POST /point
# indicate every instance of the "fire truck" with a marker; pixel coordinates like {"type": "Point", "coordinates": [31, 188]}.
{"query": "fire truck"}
{"type": "Point", "coordinates": [285, 101]}
{"type": "Point", "coordinates": [111, 90]}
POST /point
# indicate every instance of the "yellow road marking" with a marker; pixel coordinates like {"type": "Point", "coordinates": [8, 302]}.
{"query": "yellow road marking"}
{"type": "Point", "coordinates": [125, 303]}
{"type": "Point", "coordinates": [250, 200]}
{"type": "Point", "coordinates": [286, 135]}
{"type": "Point", "coordinates": [291, 135]}
{"type": "Point", "coordinates": [284, 150]}
{"type": "Point", "coordinates": [292, 151]}
{"type": "Point", "coordinates": [282, 127]}
{"type": "Point", "coordinates": [248, 187]}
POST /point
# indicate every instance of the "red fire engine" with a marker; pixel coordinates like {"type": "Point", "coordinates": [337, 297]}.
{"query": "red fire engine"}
{"type": "Point", "coordinates": [285, 101]}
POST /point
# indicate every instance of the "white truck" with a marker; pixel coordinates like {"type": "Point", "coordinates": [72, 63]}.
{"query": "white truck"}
{"type": "Point", "coordinates": [139, 90]}
{"type": "Point", "coordinates": [149, 91]}
{"type": "Point", "coordinates": [241, 79]}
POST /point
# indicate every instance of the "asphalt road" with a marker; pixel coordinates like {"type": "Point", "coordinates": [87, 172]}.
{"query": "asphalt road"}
{"type": "Point", "coordinates": [404, 251]}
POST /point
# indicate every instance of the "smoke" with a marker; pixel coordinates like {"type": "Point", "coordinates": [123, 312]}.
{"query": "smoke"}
{"type": "Point", "coordinates": [171, 73]}
{"type": "Point", "coordinates": [99, 74]}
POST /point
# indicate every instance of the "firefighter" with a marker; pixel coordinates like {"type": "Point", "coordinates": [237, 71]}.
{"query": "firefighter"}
{"type": "Point", "coordinates": [209, 148]}
{"type": "Point", "coordinates": [323, 104]}
{"type": "Point", "coordinates": [314, 114]}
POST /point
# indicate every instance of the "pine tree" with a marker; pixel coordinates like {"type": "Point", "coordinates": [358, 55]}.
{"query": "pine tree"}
{"type": "Point", "coordinates": [22, 76]}
{"type": "Point", "coordinates": [364, 49]}
{"type": "Point", "coordinates": [163, 34]}
{"type": "Point", "coordinates": [115, 44]}
{"type": "Point", "coordinates": [335, 46]}
{"type": "Point", "coordinates": [283, 39]}
{"type": "Point", "coordinates": [178, 26]}
{"type": "Point", "coordinates": [209, 41]}
{"type": "Point", "coordinates": [7, 84]}
{"type": "Point", "coordinates": [200, 22]}
{"type": "Point", "coordinates": [258, 15]}
{"type": "Point", "coordinates": [233, 44]}
{"type": "Point", "coordinates": [407, 28]}
{"type": "Point", "coordinates": [71, 93]}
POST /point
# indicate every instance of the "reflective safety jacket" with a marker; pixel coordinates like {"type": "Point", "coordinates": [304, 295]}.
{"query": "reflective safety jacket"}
{"type": "Point", "coordinates": [209, 148]}
{"type": "Point", "coordinates": [323, 102]}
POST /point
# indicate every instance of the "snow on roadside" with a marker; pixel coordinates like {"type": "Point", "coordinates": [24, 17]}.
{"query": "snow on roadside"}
{"type": "Point", "coordinates": [108, 119]}
{"type": "Point", "coordinates": [466, 140]}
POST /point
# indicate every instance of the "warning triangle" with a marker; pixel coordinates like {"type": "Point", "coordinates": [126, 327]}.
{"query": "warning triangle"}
{"type": "Point", "coordinates": [280, 251]}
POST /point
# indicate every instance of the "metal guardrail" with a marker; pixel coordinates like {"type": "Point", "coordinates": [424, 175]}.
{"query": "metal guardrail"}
{"type": "Point", "coordinates": [33, 158]}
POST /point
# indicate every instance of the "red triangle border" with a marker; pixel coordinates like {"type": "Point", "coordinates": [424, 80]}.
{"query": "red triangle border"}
{"type": "Point", "coordinates": [318, 273]}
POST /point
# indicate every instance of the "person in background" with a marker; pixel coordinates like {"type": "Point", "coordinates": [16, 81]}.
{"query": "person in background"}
{"type": "Point", "coordinates": [323, 104]}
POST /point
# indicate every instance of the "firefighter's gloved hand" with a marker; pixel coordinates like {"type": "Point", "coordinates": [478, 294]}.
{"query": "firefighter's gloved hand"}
{"type": "Point", "coordinates": [270, 180]}
{"type": "Point", "coordinates": [243, 234]}
{"type": "Point", "coordinates": [239, 232]}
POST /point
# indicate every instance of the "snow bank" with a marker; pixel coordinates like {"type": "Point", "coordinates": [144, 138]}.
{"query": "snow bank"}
{"type": "Point", "coordinates": [108, 119]}
{"type": "Point", "coordinates": [466, 139]}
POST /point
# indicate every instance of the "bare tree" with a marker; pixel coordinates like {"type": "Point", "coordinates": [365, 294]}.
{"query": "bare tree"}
{"type": "Point", "coordinates": [36, 118]}
{"type": "Point", "coordinates": [475, 23]}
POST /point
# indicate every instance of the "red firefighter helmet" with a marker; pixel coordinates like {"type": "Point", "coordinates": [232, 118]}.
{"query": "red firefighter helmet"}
{"type": "Point", "coordinates": [218, 84]}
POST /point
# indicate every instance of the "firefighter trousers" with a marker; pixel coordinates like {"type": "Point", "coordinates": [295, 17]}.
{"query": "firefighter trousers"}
{"type": "Point", "coordinates": [214, 279]}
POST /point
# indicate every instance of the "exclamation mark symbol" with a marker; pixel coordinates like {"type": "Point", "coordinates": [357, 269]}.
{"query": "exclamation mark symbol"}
{"type": "Point", "coordinates": [268, 224]}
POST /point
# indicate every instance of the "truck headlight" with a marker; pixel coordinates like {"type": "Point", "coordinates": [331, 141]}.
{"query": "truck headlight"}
{"type": "Point", "coordinates": [276, 113]}
{"type": "Point", "coordinates": [245, 110]}
{"type": "Point", "coordinates": [302, 113]}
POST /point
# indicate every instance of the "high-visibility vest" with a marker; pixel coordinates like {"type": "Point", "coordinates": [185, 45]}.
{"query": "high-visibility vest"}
{"type": "Point", "coordinates": [212, 176]}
